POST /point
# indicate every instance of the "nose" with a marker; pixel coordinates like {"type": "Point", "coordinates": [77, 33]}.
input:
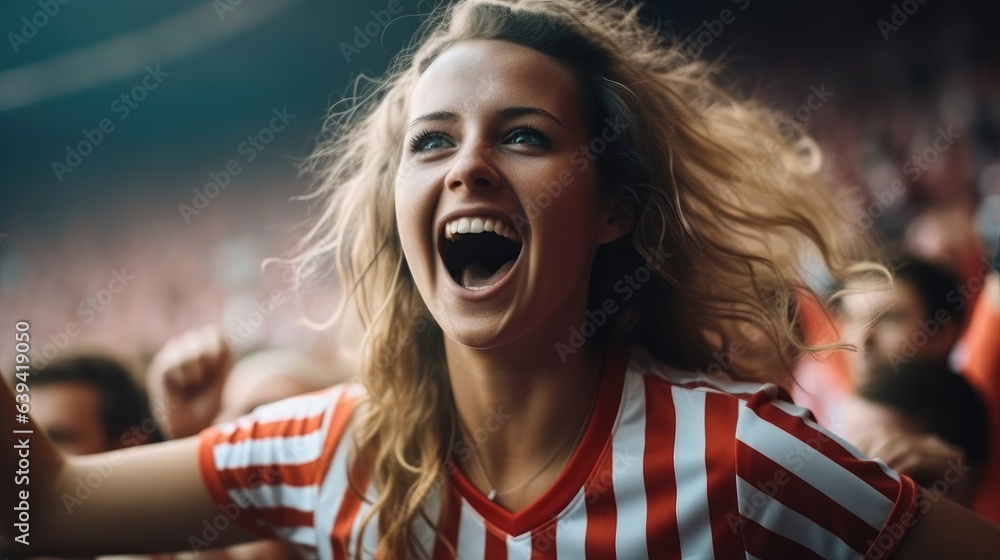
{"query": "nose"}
{"type": "Point", "coordinates": [473, 169]}
{"type": "Point", "coordinates": [857, 333]}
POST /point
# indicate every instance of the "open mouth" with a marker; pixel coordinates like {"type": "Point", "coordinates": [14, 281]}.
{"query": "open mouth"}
{"type": "Point", "coordinates": [479, 252]}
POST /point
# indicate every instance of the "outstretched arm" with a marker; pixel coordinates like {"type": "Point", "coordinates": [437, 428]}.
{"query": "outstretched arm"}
{"type": "Point", "coordinates": [947, 530]}
{"type": "Point", "coordinates": [142, 499]}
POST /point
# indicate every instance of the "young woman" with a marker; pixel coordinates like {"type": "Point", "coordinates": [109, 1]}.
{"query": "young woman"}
{"type": "Point", "coordinates": [540, 209]}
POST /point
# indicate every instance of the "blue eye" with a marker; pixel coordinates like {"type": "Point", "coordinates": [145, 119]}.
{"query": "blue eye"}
{"type": "Point", "coordinates": [529, 135]}
{"type": "Point", "coordinates": [525, 134]}
{"type": "Point", "coordinates": [430, 140]}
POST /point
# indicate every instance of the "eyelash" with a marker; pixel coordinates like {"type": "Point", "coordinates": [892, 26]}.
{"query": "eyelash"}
{"type": "Point", "coordinates": [419, 139]}
{"type": "Point", "coordinates": [545, 141]}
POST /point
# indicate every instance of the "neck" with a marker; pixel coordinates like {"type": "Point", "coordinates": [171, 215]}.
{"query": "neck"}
{"type": "Point", "coordinates": [522, 411]}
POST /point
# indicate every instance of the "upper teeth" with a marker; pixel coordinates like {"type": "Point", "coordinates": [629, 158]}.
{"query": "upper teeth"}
{"type": "Point", "coordinates": [480, 225]}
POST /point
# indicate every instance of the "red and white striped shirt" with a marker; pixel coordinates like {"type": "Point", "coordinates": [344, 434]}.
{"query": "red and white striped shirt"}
{"type": "Point", "coordinates": [672, 465]}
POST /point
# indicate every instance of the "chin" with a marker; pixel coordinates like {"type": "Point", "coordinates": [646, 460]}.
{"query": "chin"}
{"type": "Point", "coordinates": [479, 333]}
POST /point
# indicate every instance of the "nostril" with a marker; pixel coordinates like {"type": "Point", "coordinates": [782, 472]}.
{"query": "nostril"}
{"type": "Point", "coordinates": [472, 171]}
{"type": "Point", "coordinates": [478, 181]}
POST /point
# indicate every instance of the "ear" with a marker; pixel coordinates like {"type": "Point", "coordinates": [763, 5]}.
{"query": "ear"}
{"type": "Point", "coordinates": [617, 219]}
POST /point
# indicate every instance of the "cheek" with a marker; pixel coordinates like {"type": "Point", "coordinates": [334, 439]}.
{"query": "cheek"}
{"type": "Point", "coordinates": [571, 214]}
{"type": "Point", "coordinates": [406, 225]}
{"type": "Point", "coordinates": [890, 338]}
{"type": "Point", "coordinates": [414, 214]}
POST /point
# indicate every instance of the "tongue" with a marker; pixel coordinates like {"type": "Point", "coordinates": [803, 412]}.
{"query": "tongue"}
{"type": "Point", "coordinates": [477, 277]}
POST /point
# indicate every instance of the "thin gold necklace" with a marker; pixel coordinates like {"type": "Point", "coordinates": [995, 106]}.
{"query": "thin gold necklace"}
{"type": "Point", "coordinates": [494, 493]}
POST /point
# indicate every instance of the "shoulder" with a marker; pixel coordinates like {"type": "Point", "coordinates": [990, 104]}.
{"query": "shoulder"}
{"type": "Point", "coordinates": [766, 420]}
{"type": "Point", "coordinates": [663, 376]}
{"type": "Point", "coordinates": [790, 484]}
{"type": "Point", "coordinates": [278, 456]}
{"type": "Point", "coordinates": [324, 402]}
{"type": "Point", "coordinates": [752, 421]}
{"type": "Point", "coordinates": [318, 415]}
{"type": "Point", "coordinates": [316, 412]}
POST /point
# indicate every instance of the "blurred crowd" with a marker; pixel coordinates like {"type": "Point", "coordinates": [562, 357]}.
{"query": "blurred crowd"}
{"type": "Point", "coordinates": [130, 283]}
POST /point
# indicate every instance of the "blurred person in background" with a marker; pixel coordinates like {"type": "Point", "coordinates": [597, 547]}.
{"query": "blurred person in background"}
{"type": "Point", "coordinates": [917, 319]}
{"type": "Point", "coordinates": [922, 317]}
{"type": "Point", "coordinates": [90, 403]}
{"type": "Point", "coordinates": [201, 384]}
{"type": "Point", "coordinates": [953, 236]}
{"type": "Point", "coordinates": [912, 319]}
{"type": "Point", "coordinates": [924, 397]}
{"type": "Point", "coordinates": [946, 236]}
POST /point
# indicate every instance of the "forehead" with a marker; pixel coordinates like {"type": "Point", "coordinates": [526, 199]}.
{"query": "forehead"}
{"type": "Point", "coordinates": [900, 297]}
{"type": "Point", "coordinates": [483, 74]}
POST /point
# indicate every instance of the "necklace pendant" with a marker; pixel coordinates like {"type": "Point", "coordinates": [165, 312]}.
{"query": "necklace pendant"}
{"type": "Point", "coordinates": [492, 496]}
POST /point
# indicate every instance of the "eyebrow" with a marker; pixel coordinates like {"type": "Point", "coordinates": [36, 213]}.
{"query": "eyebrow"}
{"type": "Point", "coordinates": [435, 116]}
{"type": "Point", "coordinates": [505, 113]}
{"type": "Point", "coordinates": [512, 112]}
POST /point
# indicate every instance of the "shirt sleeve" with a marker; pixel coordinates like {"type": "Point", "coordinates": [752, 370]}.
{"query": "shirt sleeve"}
{"type": "Point", "coordinates": [982, 369]}
{"type": "Point", "coordinates": [982, 362]}
{"type": "Point", "coordinates": [805, 493]}
{"type": "Point", "coordinates": [264, 469]}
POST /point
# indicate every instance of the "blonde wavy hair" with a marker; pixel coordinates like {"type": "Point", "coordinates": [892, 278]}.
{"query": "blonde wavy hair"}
{"type": "Point", "coordinates": [711, 180]}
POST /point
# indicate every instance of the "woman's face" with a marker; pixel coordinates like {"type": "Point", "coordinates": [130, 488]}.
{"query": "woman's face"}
{"type": "Point", "coordinates": [496, 140]}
